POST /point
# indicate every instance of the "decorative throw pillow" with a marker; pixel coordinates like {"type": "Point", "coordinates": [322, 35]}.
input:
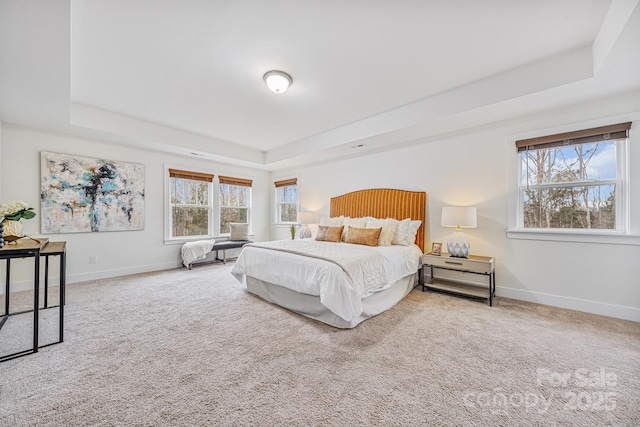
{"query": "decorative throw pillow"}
{"type": "Point", "coordinates": [388, 226]}
{"type": "Point", "coordinates": [352, 222]}
{"type": "Point", "coordinates": [329, 234]}
{"type": "Point", "coordinates": [363, 236]}
{"type": "Point", "coordinates": [335, 221]}
{"type": "Point", "coordinates": [238, 231]}
{"type": "Point", "coordinates": [402, 232]}
{"type": "Point", "coordinates": [413, 231]}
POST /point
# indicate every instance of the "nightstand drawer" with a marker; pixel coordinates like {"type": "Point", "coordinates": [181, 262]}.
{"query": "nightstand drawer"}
{"type": "Point", "coordinates": [474, 263]}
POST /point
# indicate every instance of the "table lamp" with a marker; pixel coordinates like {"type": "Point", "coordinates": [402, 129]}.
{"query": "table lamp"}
{"type": "Point", "coordinates": [459, 217]}
{"type": "Point", "coordinates": [306, 218]}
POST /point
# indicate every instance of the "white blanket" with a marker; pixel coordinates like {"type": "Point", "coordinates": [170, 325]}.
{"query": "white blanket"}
{"type": "Point", "coordinates": [363, 265]}
{"type": "Point", "coordinates": [195, 251]}
{"type": "Point", "coordinates": [315, 275]}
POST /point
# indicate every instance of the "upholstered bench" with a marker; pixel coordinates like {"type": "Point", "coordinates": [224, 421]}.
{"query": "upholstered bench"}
{"type": "Point", "coordinates": [228, 244]}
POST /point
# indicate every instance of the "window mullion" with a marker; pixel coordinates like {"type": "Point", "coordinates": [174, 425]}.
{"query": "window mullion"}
{"type": "Point", "coordinates": [622, 194]}
{"type": "Point", "coordinates": [573, 184]}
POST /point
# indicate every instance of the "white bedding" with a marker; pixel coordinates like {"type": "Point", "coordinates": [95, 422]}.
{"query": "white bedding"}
{"type": "Point", "coordinates": [327, 280]}
{"type": "Point", "coordinates": [195, 251]}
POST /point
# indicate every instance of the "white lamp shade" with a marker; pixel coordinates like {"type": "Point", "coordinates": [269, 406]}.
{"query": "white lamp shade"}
{"type": "Point", "coordinates": [307, 217]}
{"type": "Point", "coordinates": [459, 216]}
{"type": "Point", "coordinates": [277, 81]}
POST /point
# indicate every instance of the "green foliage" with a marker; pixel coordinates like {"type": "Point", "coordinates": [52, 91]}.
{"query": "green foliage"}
{"type": "Point", "coordinates": [190, 221]}
{"type": "Point", "coordinates": [27, 213]}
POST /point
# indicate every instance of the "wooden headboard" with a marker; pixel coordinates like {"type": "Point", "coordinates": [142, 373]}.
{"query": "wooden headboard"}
{"type": "Point", "coordinates": [383, 203]}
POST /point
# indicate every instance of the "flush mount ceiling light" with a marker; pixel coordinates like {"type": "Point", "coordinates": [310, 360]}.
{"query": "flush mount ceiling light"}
{"type": "Point", "coordinates": [277, 81]}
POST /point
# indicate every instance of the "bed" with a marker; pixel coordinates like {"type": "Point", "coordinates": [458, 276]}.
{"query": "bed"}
{"type": "Point", "coordinates": [340, 284]}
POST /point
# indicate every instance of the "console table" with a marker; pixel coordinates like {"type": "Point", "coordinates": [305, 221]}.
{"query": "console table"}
{"type": "Point", "coordinates": [30, 248]}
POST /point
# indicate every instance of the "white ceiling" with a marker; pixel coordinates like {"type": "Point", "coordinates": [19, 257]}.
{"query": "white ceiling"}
{"type": "Point", "coordinates": [186, 76]}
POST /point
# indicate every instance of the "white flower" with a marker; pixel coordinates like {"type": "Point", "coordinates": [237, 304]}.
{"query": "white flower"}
{"type": "Point", "coordinates": [12, 208]}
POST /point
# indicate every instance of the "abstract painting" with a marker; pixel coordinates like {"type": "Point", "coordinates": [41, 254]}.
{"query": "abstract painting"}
{"type": "Point", "coordinates": [83, 194]}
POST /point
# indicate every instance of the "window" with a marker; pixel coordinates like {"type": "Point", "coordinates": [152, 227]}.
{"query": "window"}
{"type": "Point", "coordinates": [574, 181]}
{"type": "Point", "coordinates": [235, 201]}
{"type": "Point", "coordinates": [190, 196]}
{"type": "Point", "coordinates": [286, 200]}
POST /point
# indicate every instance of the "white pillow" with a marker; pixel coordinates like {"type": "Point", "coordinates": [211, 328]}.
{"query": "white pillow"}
{"type": "Point", "coordinates": [413, 230]}
{"type": "Point", "coordinates": [238, 231]}
{"type": "Point", "coordinates": [388, 231]}
{"type": "Point", "coordinates": [335, 221]}
{"type": "Point", "coordinates": [352, 222]}
{"type": "Point", "coordinates": [402, 232]}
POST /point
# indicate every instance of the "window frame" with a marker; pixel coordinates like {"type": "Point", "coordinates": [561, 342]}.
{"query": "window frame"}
{"type": "Point", "coordinates": [169, 206]}
{"type": "Point", "coordinates": [620, 183]}
{"type": "Point", "coordinates": [623, 232]}
{"type": "Point", "coordinates": [278, 205]}
{"type": "Point", "coordinates": [240, 182]}
{"type": "Point", "coordinates": [214, 205]}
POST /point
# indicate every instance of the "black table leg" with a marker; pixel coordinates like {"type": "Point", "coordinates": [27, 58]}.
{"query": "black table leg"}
{"type": "Point", "coordinates": [7, 291]}
{"type": "Point", "coordinates": [36, 300]}
{"type": "Point", "coordinates": [46, 281]}
{"type": "Point", "coordinates": [63, 284]}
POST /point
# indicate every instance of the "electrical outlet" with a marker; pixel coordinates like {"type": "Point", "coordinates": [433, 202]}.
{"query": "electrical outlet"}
{"type": "Point", "coordinates": [93, 259]}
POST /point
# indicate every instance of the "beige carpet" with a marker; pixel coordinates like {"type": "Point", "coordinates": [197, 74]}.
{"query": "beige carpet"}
{"type": "Point", "coordinates": [194, 348]}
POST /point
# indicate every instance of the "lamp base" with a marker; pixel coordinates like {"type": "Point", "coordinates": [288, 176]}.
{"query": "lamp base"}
{"type": "Point", "coordinates": [305, 232]}
{"type": "Point", "coordinates": [458, 246]}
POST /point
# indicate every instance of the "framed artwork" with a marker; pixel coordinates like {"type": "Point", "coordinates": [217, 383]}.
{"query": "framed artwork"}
{"type": "Point", "coordinates": [84, 194]}
{"type": "Point", "coordinates": [436, 248]}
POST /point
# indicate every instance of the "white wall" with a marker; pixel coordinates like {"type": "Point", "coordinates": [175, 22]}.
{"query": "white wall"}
{"type": "Point", "coordinates": [464, 169]}
{"type": "Point", "coordinates": [1, 199]}
{"type": "Point", "coordinates": [472, 169]}
{"type": "Point", "coordinates": [118, 253]}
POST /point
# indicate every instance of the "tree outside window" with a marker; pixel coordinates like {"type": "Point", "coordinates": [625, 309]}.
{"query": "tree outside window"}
{"type": "Point", "coordinates": [234, 204]}
{"type": "Point", "coordinates": [287, 202]}
{"type": "Point", "coordinates": [190, 196]}
{"type": "Point", "coordinates": [570, 186]}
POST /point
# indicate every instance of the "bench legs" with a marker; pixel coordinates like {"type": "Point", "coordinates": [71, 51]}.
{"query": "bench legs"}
{"type": "Point", "coordinates": [224, 255]}
{"type": "Point", "coordinates": [229, 245]}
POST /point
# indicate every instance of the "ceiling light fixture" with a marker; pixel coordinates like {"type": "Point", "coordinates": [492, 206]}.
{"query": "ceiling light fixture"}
{"type": "Point", "coordinates": [277, 81]}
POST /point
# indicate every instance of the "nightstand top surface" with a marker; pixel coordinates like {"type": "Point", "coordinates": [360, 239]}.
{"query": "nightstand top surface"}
{"type": "Point", "coordinates": [470, 257]}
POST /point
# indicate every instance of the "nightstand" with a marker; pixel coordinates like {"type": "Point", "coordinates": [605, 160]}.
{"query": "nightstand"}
{"type": "Point", "coordinates": [464, 280]}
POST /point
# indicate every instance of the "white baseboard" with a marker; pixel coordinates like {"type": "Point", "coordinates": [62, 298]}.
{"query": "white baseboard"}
{"type": "Point", "coordinates": [94, 275]}
{"type": "Point", "coordinates": [611, 310]}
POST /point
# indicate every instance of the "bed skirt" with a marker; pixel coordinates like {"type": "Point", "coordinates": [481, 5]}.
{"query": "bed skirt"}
{"type": "Point", "coordinates": [310, 306]}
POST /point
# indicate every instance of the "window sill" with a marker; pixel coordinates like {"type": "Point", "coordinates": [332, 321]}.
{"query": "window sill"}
{"type": "Point", "coordinates": [183, 240]}
{"type": "Point", "coordinates": [606, 237]}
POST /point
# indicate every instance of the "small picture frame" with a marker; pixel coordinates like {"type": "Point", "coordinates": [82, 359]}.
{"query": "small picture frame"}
{"type": "Point", "coordinates": [436, 248]}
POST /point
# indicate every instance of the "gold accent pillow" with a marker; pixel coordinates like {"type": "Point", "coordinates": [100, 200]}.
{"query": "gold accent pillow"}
{"type": "Point", "coordinates": [352, 222]}
{"type": "Point", "coordinates": [329, 234]}
{"type": "Point", "coordinates": [363, 236]}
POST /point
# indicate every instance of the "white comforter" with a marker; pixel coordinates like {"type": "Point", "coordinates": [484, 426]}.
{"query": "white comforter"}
{"type": "Point", "coordinates": [341, 292]}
